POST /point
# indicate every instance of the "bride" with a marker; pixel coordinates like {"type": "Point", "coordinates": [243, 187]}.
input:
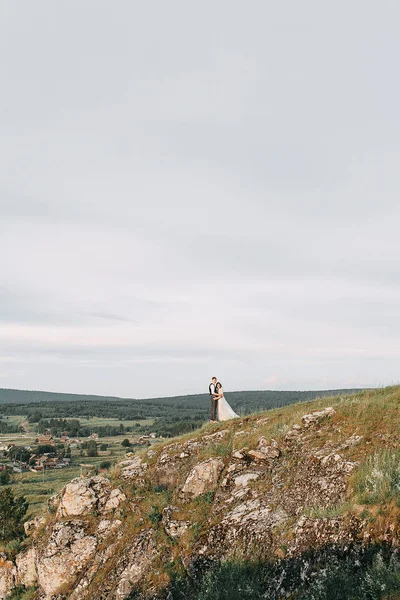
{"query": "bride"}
{"type": "Point", "coordinates": [225, 411]}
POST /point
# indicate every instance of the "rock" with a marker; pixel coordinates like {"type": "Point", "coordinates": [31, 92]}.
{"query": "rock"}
{"type": "Point", "coordinates": [317, 416]}
{"type": "Point", "coordinates": [82, 496]}
{"type": "Point", "coordinates": [32, 526]}
{"type": "Point", "coordinates": [7, 577]}
{"type": "Point", "coordinates": [203, 477]}
{"type": "Point", "coordinates": [256, 455]}
{"type": "Point", "coordinates": [26, 568]}
{"type": "Point", "coordinates": [175, 528]}
{"type": "Point", "coordinates": [105, 527]}
{"type": "Point", "coordinates": [65, 555]}
{"type": "Point", "coordinates": [244, 480]}
{"type": "Point", "coordinates": [141, 557]}
{"type": "Point", "coordinates": [133, 468]}
{"type": "Point", "coordinates": [114, 500]}
{"type": "Point", "coordinates": [218, 435]}
{"type": "Point", "coordinates": [314, 533]}
{"type": "Point", "coordinates": [271, 450]}
{"type": "Point", "coordinates": [238, 455]}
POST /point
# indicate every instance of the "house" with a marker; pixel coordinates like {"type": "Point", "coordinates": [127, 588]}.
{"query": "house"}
{"type": "Point", "coordinates": [64, 439]}
{"type": "Point", "coordinates": [73, 443]}
{"type": "Point", "coordinates": [45, 462]}
{"type": "Point", "coordinates": [46, 439]}
{"type": "Point", "coordinates": [93, 436]}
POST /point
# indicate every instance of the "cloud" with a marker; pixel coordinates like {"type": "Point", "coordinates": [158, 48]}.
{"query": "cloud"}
{"type": "Point", "coordinates": [211, 190]}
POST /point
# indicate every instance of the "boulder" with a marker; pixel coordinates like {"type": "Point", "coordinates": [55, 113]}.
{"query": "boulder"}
{"type": "Point", "coordinates": [317, 416]}
{"type": "Point", "coordinates": [270, 449]}
{"type": "Point", "coordinates": [203, 477]}
{"type": "Point", "coordinates": [84, 495]}
{"type": "Point", "coordinates": [256, 455]}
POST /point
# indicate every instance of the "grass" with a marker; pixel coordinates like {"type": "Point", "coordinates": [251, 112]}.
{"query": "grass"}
{"type": "Point", "coordinates": [333, 574]}
{"type": "Point", "coordinates": [378, 479]}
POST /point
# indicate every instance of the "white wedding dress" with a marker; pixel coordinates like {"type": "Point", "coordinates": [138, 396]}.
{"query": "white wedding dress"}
{"type": "Point", "coordinates": [225, 411]}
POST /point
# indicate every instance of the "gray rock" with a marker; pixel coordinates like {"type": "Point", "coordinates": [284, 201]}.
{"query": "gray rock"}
{"type": "Point", "coordinates": [203, 477]}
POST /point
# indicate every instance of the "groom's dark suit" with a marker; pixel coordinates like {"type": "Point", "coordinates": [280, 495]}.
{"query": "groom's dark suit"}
{"type": "Point", "coordinates": [214, 401]}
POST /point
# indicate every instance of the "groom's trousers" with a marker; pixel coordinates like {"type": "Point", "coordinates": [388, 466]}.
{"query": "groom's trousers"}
{"type": "Point", "coordinates": [214, 402]}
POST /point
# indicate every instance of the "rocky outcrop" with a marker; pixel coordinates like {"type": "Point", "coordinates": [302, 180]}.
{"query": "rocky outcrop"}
{"type": "Point", "coordinates": [233, 492]}
{"type": "Point", "coordinates": [317, 416]}
{"type": "Point", "coordinates": [65, 555]}
{"type": "Point", "coordinates": [133, 468]}
{"type": "Point", "coordinates": [140, 558]}
{"type": "Point", "coordinates": [84, 496]}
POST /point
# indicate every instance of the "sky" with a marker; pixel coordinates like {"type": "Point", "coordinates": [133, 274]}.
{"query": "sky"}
{"type": "Point", "coordinates": [193, 189]}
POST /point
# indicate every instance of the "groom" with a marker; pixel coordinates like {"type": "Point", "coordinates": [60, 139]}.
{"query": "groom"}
{"type": "Point", "coordinates": [212, 388]}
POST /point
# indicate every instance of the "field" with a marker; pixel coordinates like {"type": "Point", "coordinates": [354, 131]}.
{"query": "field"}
{"type": "Point", "coordinates": [100, 422]}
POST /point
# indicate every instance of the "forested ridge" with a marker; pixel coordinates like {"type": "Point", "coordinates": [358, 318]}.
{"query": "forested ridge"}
{"type": "Point", "coordinates": [172, 415]}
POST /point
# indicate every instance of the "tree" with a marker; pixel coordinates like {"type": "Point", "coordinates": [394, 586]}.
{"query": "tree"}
{"type": "Point", "coordinates": [4, 477]}
{"type": "Point", "coordinates": [46, 449]}
{"type": "Point", "coordinates": [19, 453]}
{"type": "Point", "coordinates": [92, 448]}
{"type": "Point", "coordinates": [103, 447]}
{"type": "Point", "coordinates": [125, 443]}
{"type": "Point", "coordinates": [12, 513]}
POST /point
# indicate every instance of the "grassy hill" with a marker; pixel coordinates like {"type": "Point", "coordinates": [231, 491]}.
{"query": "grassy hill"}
{"type": "Point", "coordinates": [299, 502]}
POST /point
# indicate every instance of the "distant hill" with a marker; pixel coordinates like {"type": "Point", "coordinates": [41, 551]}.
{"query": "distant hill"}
{"type": "Point", "coordinates": [246, 401]}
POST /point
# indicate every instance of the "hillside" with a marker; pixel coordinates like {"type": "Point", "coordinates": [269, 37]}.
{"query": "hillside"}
{"type": "Point", "coordinates": [301, 502]}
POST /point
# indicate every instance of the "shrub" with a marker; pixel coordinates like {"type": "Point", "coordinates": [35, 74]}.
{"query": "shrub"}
{"type": "Point", "coordinates": [105, 464]}
{"type": "Point", "coordinates": [92, 448]}
{"type": "Point", "coordinates": [154, 515]}
{"type": "Point", "coordinates": [4, 477]}
{"type": "Point", "coordinates": [12, 513]}
{"type": "Point", "coordinates": [125, 443]}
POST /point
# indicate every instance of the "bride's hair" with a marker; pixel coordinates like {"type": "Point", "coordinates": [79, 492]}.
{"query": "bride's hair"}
{"type": "Point", "coordinates": [219, 384]}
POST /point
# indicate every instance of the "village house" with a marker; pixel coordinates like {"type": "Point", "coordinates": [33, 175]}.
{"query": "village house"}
{"type": "Point", "coordinates": [73, 443]}
{"type": "Point", "coordinates": [93, 436]}
{"type": "Point", "coordinates": [45, 462]}
{"type": "Point", "coordinates": [46, 439]}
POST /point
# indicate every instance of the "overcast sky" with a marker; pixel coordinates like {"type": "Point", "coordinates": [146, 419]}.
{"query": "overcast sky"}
{"type": "Point", "coordinates": [199, 188]}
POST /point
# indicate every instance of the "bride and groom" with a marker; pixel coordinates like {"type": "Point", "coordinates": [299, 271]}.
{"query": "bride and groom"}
{"type": "Point", "coordinates": [220, 409]}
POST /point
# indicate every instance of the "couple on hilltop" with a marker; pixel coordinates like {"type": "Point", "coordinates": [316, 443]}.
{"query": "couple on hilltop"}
{"type": "Point", "coordinates": [220, 409]}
